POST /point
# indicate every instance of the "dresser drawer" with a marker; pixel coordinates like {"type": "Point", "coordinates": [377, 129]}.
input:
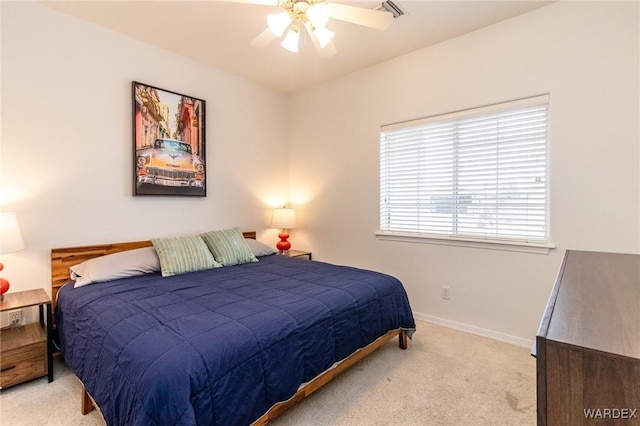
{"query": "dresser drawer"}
{"type": "Point", "coordinates": [25, 362]}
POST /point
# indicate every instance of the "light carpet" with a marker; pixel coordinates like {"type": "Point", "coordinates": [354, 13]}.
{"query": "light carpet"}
{"type": "Point", "coordinates": [445, 377]}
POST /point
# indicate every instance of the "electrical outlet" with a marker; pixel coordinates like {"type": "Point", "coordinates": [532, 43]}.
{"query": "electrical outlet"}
{"type": "Point", "coordinates": [445, 292]}
{"type": "Point", "coordinates": [15, 317]}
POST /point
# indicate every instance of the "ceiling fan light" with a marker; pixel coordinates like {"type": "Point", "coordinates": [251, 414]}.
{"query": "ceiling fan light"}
{"type": "Point", "coordinates": [318, 14]}
{"type": "Point", "coordinates": [323, 35]}
{"type": "Point", "coordinates": [291, 41]}
{"type": "Point", "coordinates": [278, 22]}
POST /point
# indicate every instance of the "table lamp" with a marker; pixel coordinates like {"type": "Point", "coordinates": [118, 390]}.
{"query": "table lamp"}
{"type": "Point", "coordinates": [284, 219]}
{"type": "Point", "coordinates": [10, 241]}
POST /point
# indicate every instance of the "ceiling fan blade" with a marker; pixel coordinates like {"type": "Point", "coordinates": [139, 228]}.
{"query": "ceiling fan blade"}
{"type": "Point", "coordinates": [371, 18]}
{"type": "Point", "coordinates": [328, 51]}
{"type": "Point", "coordinates": [263, 39]}
{"type": "Point", "coordinates": [324, 52]}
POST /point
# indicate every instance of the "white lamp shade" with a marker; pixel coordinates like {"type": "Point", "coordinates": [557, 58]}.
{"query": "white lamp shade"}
{"type": "Point", "coordinates": [278, 22]}
{"type": "Point", "coordinates": [318, 14]}
{"type": "Point", "coordinates": [323, 35]}
{"type": "Point", "coordinates": [291, 41]}
{"type": "Point", "coordinates": [10, 235]}
{"type": "Point", "coordinates": [283, 218]}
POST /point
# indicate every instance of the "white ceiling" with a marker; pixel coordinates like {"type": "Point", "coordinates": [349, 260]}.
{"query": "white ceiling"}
{"type": "Point", "coordinates": [218, 33]}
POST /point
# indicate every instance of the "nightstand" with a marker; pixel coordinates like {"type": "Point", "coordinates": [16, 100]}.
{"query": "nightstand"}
{"type": "Point", "coordinates": [26, 350]}
{"type": "Point", "coordinates": [296, 253]}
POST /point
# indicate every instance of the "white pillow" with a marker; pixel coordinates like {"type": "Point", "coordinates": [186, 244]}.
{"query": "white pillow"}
{"type": "Point", "coordinates": [260, 249]}
{"type": "Point", "coordinates": [113, 266]}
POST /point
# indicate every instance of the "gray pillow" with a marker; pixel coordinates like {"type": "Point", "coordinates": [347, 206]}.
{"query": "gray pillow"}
{"type": "Point", "coordinates": [117, 265]}
{"type": "Point", "coordinates": [260, 249]}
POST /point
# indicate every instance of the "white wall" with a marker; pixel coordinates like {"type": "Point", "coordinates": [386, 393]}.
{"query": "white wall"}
{"type": "Point", "coordinates": [585, 54]}
{"type": "Point", "coordinates": [67, 141]}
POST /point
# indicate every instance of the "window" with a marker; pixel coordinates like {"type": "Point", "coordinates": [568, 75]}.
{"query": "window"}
{"type": "Point", "coordinates": [478, 175]}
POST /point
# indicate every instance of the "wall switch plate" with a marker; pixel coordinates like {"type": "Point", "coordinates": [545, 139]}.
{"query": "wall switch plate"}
{"type": "Point", "coordinates": [445, 292]}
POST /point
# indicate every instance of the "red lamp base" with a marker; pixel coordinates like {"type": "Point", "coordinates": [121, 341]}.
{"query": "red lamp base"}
{"type": "Point", "coordinates": [4, 284]}
{"type": "Point", "coordinates": [283, 245]}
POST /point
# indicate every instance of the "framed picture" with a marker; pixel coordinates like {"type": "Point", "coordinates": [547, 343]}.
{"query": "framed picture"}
{"type": "Point", "coordinates": [168, 143]}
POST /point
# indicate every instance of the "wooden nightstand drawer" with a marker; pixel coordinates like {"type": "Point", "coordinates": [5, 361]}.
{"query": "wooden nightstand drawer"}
{"type": "Point", "coordinates": [24, 355]}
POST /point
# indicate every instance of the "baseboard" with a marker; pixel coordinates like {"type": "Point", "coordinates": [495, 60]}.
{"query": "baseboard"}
{"type": "Point", "coordinates": [517, 341]}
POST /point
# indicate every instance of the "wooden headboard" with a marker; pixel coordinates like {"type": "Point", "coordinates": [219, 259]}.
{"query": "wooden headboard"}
{"type": "Point", "coordinates": [63, 258]}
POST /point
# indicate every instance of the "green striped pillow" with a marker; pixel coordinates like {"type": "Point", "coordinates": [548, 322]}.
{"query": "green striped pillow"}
{"type": "Point", "coordinates": [183, 254]}
{"type": "Point", "coordinates": [229, 247]}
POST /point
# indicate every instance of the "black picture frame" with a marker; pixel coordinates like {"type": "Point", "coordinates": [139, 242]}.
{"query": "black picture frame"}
{"type": "Point", "coordinates": [169, 143]}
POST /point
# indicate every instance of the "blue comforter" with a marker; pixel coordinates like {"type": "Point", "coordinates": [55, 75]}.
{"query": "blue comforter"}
{"type": "Point", "coordinates": [220, 346]}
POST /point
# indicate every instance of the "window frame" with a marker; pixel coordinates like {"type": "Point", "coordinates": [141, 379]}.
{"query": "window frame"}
{"type": "Point", "coordinates": [487, 242]}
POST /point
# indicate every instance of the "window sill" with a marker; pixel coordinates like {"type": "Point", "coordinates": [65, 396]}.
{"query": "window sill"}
{"type": "Point", "coordinates": [482, 243]}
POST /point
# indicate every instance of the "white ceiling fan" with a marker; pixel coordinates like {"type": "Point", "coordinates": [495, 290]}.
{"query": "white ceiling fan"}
{"type": "Point", "coordinates": [312, 16]}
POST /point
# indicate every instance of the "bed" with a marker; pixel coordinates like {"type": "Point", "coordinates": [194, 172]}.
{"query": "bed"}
{"type": "Point", "coordinates": [235, 345]}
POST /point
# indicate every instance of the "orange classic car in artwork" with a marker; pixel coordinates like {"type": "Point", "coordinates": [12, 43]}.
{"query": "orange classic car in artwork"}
{"type": "Point", "coordinates": [170, 162]}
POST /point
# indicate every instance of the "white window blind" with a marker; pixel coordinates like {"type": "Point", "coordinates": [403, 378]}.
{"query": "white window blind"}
{"type": "Point", "coordinates": [479, 173]}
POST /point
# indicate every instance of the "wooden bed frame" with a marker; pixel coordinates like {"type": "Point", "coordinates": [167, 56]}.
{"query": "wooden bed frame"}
{"type": "Point", "coordinates": [63, 258]}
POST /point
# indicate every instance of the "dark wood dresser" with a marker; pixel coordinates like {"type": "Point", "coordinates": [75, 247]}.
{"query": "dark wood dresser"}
{"type": "Point", "coordinates": [588, 345]}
